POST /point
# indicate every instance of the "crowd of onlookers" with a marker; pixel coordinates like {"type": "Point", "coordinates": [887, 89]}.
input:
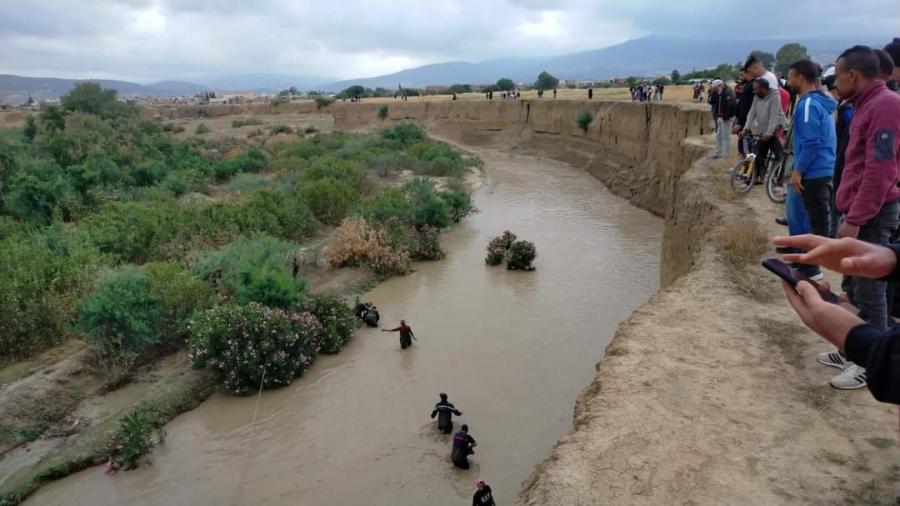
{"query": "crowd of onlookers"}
{"type": "Point", "coordinates": [841, 127]}
{"type": "Point", "coordinates": [646, 92]}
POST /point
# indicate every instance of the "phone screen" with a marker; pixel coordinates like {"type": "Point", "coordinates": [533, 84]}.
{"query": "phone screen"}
{"type": "Point", "coordinates": [787, 273]}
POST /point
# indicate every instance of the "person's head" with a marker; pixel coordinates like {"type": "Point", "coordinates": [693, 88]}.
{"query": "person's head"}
{"type": "Point", "coordinates": [754, 67]}
{"type": "Point", "coordinates": [893, 49]}
{"type": "Point", "coordinates": [480, 484]}
{"type": "Point", "coordinates": [464, 428]}
{"type": "Point", "coordinates": [717, 85]}
{"type": "Point", "coordinates": [761, 87]}
{"type": "Point", "coordinates": [802, 75]}
{"type": "Point", "coordinates": [745, 76]}
{"type": "Point", "coordinates": [443, 396]}
{"type": "Point", "coordinates": [885, 64]}
{"type": "Point", "coordinates": [402, 322]}
{"type": "Point", "coordinates": [855, 68]}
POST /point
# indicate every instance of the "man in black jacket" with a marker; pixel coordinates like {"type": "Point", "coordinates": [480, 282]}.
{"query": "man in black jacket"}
{"type": "Point", "coordinates": [742, 109]}
{"type": "Point", "coordinates": [445, 410]}
{"type": "Point", "coordinates": [723, 112]}
{"type": "Point", "coordinates": [865, 344]}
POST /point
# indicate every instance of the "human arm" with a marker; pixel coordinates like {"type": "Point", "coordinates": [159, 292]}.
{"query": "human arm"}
{"type": "Point", "coordinates": [808, 125]}
{"type": "Point", "coordinates": [879, 176]}
{"type": "Point", "coordinates": [775, 117]}
{"type": "Point", "coordinates": [751, 116]}
{"type": "Point", "coordinates": [391, 330]}
{"type": "Point", "coordinates": [879, 352]}
{"type": "Point", "coordinates": [847, 256]}
{"type": "Point", "coordinates": [830, 321]}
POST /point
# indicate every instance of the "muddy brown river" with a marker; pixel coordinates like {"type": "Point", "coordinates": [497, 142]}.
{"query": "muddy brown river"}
{"type": "Point", "coordinates": [512, 349]}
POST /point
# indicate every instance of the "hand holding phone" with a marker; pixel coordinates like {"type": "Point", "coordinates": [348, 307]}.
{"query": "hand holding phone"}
{"type": "Point", "coordinates": [787, 273]}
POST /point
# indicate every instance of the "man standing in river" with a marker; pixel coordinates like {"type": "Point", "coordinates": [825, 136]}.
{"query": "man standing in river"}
{"type": "Point", "coordinates": [463, 445]}
{"type": "Point", "coordinates": [445, 410]}
{"type": "Point", "coordinates": [483, 496]}
{"type": "Point", "coordinates": [406, 334]}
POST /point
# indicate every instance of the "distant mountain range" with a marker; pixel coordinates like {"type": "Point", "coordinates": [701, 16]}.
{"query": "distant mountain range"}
{"type": "Point", "coordinates": [647, 56]}
{"type": "Point", "coordinates": [16, 89]}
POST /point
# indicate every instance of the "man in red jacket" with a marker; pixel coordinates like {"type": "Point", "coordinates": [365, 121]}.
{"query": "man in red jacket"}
{"type": "Point", "coordinates": [868, 197]}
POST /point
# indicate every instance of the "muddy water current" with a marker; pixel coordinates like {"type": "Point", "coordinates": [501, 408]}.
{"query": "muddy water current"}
{"type": "Point", "coordinates": [513, 350]}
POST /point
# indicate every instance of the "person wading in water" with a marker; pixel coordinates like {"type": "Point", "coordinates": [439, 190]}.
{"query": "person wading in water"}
{"type": "Point", "coordinates": [463, 445]}
{"type": "Point", "coordinates": [406, 334]}
{"type": "Point", "coordinates": [445, 410]}
{"type": "Point", "coordinates": [483, 495]}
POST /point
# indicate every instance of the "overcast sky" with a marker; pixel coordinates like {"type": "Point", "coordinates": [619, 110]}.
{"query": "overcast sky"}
{"type": "Point", "coordinates": [150, 40]}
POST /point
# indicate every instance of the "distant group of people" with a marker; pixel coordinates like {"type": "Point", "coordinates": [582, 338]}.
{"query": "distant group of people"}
{"type": "Point", "coordinates": [647, 92]}
{"type": "Point", "coordinates": [843, 200]}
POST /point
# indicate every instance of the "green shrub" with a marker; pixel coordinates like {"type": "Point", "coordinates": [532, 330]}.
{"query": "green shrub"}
{"type": "Point", "coordinates": [184, 181]}
{"type": "Point", "coordinates": [277, 214]}
{"type": "Point", "coordinates": [242, 122]}
{"type": "Point", "coordinates": [43, 274]}
{"type": "Point", "coordinates": [323, 101]}
{"type": "Point", "coordinates": [584, 119]}
{"type": "Point", "coordinates": [496, 252]}
{"type": "Point", "coordinates": [120, 318]}
{"type": "Point", "coordinates": [439, 160]}
{"type": "Point", "coordinates": [403, 134]}
{"type": "Point", "coordinates": [383, 112]}
{"type": "Point", "coordinates": [40, 192]}
{"type": "Point", "coordinates": [179, 294]}
{"type": "Point", "coordinates": [131, 231]}
{"type": "Point", "coordinates": [521, 255]}
{"type": "Point", "coordinates": [252, 160]}
{"type": "Point", "coordinates": [253, 346]}
{"type": "Point", "coordinates": [427, 208]}
{"type": "Point", "coordinates": [329, 199]}
{"type": "Point", "coordinates": [202, 129]}
{"type": "Point", "coordinates": [336, 318]}
{"type": "Point", "coordinates": [257, 269]}
{"type": "Point", "coordinates": [281, 129]}
{"type": "Point", "coordinates": [248, 183]}
{"type": "Point", "coordinates": [138, 434]}
{"type": "Point", "coordinates": [310, 130]}
{"type": "Point", "coordinates": [458, 199]}
{"type": "Point", "coordinates": [394, 161]}
{"type": "Point", "coordinates": [329, 166]}
{"type": "Point", "coordinates": [387, 203]}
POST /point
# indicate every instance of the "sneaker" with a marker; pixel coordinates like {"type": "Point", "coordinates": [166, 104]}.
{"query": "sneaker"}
{"type": "Point", "coordinates": [852, 378]}
{"type": "Point", "coordinates": [819, 276]}
{"type": "Point", "coordinates": [833, 359]}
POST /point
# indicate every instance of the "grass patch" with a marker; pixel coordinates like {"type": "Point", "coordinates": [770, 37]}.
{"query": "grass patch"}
{"type": "Point", "coordinates": [784, 336]}
{"type": "Point", "coordinates": [281, 129]}
{"type": "Point", "coordinates": [202, 129]}
{"type": "Point", "coordinates": [881, 442]}
{"type": "Point", "coordinates": [242, 122]}
{"type": "Point", "coordinates": [741, 244]}
{"type": "Point", "coordinates": [247, 183]}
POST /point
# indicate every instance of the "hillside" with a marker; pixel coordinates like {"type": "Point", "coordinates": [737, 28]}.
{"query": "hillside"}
{"type": "Point", "coordinates": [646, 56]}
{"type": "Point", "coordinates": [16, 89]}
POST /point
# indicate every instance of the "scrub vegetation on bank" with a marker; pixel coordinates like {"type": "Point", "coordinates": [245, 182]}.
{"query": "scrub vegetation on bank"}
{"type": "Point", "coordinates": [115, 232]}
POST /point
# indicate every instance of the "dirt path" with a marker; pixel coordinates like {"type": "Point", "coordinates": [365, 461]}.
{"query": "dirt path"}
{"type": "Point", "coordinates": [708, 396]}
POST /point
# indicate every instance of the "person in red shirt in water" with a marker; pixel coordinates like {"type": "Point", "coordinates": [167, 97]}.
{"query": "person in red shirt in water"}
{"type": "Point", "coordinates": [406, 334]}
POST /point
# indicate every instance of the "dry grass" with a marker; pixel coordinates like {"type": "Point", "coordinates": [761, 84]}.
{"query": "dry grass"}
{"type": "Point", "coordinates": [785, 337]}
{"type": "Point", "coordinates": [741, 245]}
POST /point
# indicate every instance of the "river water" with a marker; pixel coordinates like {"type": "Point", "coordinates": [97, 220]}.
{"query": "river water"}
{"type": "Point", "coordinates": [513, 350]}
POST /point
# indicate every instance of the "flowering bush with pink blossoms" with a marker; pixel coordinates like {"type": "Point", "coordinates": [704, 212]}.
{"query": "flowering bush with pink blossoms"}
{"type": "Point", "coordinates": [240, 342]}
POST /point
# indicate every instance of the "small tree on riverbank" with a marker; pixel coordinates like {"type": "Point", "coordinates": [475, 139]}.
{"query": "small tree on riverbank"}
{"type": "Point", "coordinates": [584, 119]}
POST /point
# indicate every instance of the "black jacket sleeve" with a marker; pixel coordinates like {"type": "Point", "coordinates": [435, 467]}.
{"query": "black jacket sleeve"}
{"type": "Point", "coordinates": [879, 352]}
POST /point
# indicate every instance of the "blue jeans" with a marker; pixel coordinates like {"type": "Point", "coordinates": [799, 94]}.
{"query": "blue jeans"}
{"type": "Point", "coordinates": [870, 295]}
{"type": "Point", "coordinates": [795, 213]}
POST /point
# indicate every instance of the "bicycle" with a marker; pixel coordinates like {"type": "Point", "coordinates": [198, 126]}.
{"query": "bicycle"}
{"type": "Point", "coordinates": [744, 173]}
{"type": "Point", "coordinates": [776, 179]}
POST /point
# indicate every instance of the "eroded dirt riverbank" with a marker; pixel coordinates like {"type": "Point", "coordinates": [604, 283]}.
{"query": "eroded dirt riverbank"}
{"type": "Point", "coordinates": [512, 349]}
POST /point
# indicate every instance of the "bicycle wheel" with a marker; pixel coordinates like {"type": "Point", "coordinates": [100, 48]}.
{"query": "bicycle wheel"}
{"type": "Point", "coordinates": [776, 182]}
{"type": "Point", "coordinates": [743, 175]}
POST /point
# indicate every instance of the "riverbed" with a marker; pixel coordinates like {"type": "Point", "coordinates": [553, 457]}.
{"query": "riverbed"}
{"type": "Point", "coordinates": [512, 349]}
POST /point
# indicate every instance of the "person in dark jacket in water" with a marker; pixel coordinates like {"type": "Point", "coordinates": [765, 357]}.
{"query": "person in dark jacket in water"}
{"type": "Point", "coordinates": [406, 334]}
{"type": "Point", "coordinates": [483, 496]}
{"type": "Point", "coordinates": [444, 411]}
{"type": "Point", "coordinates": [463, 445]}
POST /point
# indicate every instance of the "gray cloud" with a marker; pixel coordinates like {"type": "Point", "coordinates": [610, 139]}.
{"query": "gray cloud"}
{"type": "Point", "coordinates": [148, 40]}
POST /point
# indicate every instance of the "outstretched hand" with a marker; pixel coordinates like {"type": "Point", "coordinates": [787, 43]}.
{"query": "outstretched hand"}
{"type": "Point", "coordinates": [826, 319]}
{"type": "Point", "coordinates": [847, 256]}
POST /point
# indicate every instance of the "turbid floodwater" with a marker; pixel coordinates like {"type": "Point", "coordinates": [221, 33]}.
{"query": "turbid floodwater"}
{"type": "Point", "coordinates": [513, 350]}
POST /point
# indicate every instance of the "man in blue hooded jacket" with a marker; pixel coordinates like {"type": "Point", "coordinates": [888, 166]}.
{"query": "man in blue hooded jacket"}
{"type": "Point", "coordinates": [814, 143]}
